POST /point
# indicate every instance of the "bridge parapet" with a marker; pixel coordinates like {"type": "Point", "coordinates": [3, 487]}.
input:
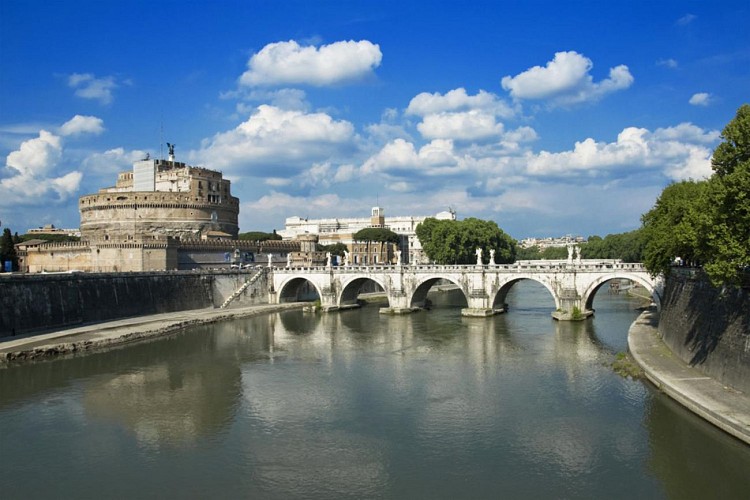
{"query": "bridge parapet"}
{"type": "Point", "coordinates": [572, 284]}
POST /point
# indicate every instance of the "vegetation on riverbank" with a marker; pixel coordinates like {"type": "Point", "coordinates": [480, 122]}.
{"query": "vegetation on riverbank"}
{"type": "Point", "coordinates": [625, 366]}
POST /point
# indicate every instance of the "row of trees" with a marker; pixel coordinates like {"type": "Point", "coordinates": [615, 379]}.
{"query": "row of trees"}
{"type": "Point", "coordinates": [707, 222]}
{"type": "Point", "coordinates": [625, 246]}
{"type": "Point", "coordinates": [455, 242]}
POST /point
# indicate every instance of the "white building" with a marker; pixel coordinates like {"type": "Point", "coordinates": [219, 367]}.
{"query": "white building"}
{"type": "Point", "coordinates": [340, 230]}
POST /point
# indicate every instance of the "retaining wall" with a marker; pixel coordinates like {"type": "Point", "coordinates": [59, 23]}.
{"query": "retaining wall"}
{"type": "Point", "coordinates": [37, 303]}
{"type": "Point", "coordinates": [708, 327]}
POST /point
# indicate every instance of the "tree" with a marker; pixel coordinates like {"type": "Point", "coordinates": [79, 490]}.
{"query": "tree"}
{"type": "Point", "coordinates": [727, 218]}
{"type": "Point", "coordinates": [673, 227]}
{"type": "Point", "coordinates": [258, 236]}
{"type": "Point", "coordinates": [334, 249]}
{"type": "Point", "coordinates": [455, 242]}
{"type": "Point", "coordinates": [7, 250]}
{"type": "Point", "coordinates": [380, 234]}
{"type": "Point", "coordinates": [625, 246]}
{"type": "Point", "coordinates": [708, 221]}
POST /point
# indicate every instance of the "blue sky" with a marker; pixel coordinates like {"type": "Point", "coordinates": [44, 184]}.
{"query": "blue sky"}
{"type": "Point", "coordinates": [548, 117]}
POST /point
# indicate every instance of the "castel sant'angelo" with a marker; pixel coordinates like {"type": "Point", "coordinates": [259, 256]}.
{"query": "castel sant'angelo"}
{"type": "Point", "coordinates": [161, 215]}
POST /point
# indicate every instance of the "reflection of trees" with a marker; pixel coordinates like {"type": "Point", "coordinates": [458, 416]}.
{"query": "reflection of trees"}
{"type": "Point", "coordinates": [692, 458]}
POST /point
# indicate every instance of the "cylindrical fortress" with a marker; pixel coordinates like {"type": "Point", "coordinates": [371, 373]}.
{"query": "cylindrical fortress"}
{"type": "Point", "coordinates": [161, 198]}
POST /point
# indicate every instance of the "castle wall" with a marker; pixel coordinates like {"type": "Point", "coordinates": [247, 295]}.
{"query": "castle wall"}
{"type": "Point", "coordinates": [171, 214]}
{"type": "Point", "coordinates": [708, 327]}
{"type": "Point", "coordinates": [36, 303]}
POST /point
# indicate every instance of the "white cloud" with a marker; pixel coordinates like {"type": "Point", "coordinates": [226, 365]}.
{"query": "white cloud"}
{"type": "Point", "coordinates": [433, 159]}
{"type": "Point", "coordinates": [686, 19]}
{"type": "Point", "coordinates": [87, 86]}
{"type": "Point", "coordinates": [31, 173]}
{"type": "Point", "coordinates": [458, 100]}
{"type": "Point", "coordinates": [82, 125]}
{"type": "Point", "coordinates": [277, 205]}
{"type": "Point", "coordinates": [273, 138]}
{"type": "Point", "coordinates": [288, 63]}
{"type": "Point", "coordinates": [680, 152]}
{"type": "Point", "coordinates": [701, 99]}
{"type": "Point", "coordinates": [112, 161]}
{"type": "Point", "coordinates": [669, 63]}
{"type": "Point", "coordinates": [467, 126]}
{"type": "Point", "coordinates": [565, 80]}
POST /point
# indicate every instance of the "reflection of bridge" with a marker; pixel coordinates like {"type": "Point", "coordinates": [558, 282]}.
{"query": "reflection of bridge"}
{"type": "Point", "coordinates": [572, 285]}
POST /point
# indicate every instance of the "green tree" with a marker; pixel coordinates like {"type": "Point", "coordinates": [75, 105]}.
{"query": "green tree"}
{"type": "Point", "coordinates": [455, 242]}
{"type": "Point", "coordinates": [673, 227]}
{"type": "Point", "coordinates": [258, 236]}
{"type": "Point", "coordinates": [7, 250]}
{"type": "Point", "coordinates": [380, 234]}
{"type": "Point", "coordinates": [727, 210]}
{"type": "Point", "coordinates": [626, 246]}
{"type": "Point", "coordinates": [335, 249]}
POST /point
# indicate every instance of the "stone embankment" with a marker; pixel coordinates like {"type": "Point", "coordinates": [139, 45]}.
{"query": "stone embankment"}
{"type": "Point", "coordinates": [722, 405]}
{"type": "Point", "coordinates": [699, 354]}
{"type": "Point", "coordinates": [117, 333]}
{"type": "Point", "coordinates": [47, 302]}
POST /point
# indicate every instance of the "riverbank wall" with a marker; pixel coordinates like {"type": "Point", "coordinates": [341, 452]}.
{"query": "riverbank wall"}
{"type": "Point", "coordinates": [708, 327]}
{"type": "Point", "coordinates": [42, 302]}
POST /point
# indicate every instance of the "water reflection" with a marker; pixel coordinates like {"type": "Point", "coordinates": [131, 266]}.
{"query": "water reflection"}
{"type": "Point", "coordinates": [358, 404]}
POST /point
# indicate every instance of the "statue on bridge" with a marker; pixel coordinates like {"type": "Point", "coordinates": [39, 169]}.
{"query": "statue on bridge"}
{"type": "Point", "coordinates": [270, 260]}
{"type": "Point", "coordinates": [289, 260]}
{"type": "Point", "coordinates": [398, 258]}
{"type": "Point", "coordinates": [346, 258]}
{"type": "Point", "coordinates": [578, 255]}
{"type": "Point", "coordinates": [492, 257]}
{"type": "Point", "coordinates": [328, 259]}
{"type": "Point", "coordinates": [570, 254]}
{"type": "Point", "coordinates": [479, 256]}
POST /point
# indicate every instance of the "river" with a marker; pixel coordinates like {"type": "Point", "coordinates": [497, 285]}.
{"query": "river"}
{"type": "Point", "coordinates": [362, 405]}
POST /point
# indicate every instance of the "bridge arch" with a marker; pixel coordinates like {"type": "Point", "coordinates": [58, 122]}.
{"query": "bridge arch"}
{"type": "Point", "coordinates": [296, 289]}
{"type": "Point", "coordinates": [350, 289]}
{"type": "Point", "coordinates": [505, 287]}
{"type": "Point", "coordinates": [418, 297]}
{"type": "Point", "coordinates": [587, 297]}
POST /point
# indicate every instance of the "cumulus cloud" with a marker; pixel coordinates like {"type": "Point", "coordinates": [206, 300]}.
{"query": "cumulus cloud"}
{"type": "Point", "coordinates": [31, 168]}
{"type": "Point", "coordinates": [275, 138]}
{"type": "Point", "coordinates": [565, 80]}
{"type": "Point", "coordinates": [701, 99]}
{"type": "Point", "coordinates": [401, 157]}
{"type": "Point", "coordinates": [112, 161]}
{"type": "Point", "coordinates": [680, 152]}
{"type": "Point", "coordinates": [88, 86]}
{"type": "Point", "coordinates": [289, 63]}
{"type": "Point", "coordinates": [458, 100]}
{"type": "Point", "coordinates": [467, 126]}
{"type": "Point", "coordinates": [82, 125]}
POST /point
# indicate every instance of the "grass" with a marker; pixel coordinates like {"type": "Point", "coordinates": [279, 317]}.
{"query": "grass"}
{"type": "Point", "coordinates": [625, 366]}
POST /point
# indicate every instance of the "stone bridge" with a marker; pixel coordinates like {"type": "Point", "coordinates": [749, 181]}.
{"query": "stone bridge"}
{"type": "Point", "coordinates": [485, 287]}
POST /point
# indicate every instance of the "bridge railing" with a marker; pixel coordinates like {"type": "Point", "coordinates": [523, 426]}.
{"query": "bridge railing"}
{"type": "Point", "coordinates": [518, 267]}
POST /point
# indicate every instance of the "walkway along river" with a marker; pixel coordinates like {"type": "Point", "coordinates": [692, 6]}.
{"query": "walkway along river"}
{"type": "Point", "coordinates": [362, 405]}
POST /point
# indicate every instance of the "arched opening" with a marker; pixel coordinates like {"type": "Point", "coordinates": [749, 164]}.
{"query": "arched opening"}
{"type": "Point", "coordinates": [438, 292]}
{"type": "Point", "coordinates": [537, 296]}
{"type": "Point", "coordinates": [298, 290]}
{"type": "Point", "coordinates": [362, 290]}
{"type": "Point", "coordinates": [616, 285]}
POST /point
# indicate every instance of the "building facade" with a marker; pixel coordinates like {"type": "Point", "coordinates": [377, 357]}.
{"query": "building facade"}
{"type": "Point", "coordinates": [341, 230]}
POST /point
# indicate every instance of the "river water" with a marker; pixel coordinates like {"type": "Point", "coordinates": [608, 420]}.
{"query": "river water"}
{"type": "Point", "coordinates": [362, 405]}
